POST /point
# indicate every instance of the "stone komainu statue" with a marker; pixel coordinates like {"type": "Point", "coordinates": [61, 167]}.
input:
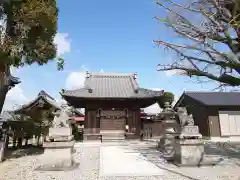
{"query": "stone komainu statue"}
{"type": "Point", "coordinates": [184, 118]}
{"type": "Point", "coordinates": [190, 120]}
{"type": "Point", "coordinates": [60, 119]}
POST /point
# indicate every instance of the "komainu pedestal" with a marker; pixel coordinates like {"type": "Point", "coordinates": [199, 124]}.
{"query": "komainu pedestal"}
{"type": "Point", "coordinates": [58, 156]}
{"type": "Point", "coordinates": [189, 146]}
{"type": "Point", "coordinates": [189, 152]}
{"type": "Point", "coordinates": [59, 147]}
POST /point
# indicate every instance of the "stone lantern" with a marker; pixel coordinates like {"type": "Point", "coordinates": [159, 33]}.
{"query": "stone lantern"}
{"type": "Point", "coordinates": [167, 142]}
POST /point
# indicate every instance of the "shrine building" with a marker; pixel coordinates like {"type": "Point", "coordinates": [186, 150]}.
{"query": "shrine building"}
{"type": "Point", "coordinates": [112, 103]}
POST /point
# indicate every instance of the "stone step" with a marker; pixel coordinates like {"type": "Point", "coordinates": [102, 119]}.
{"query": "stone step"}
{"type": "Point", "coordinates": [113, 140]}
{"type": "Point", "coordinates": [113, 137]}
{"type": "Point", "coordinates": [113, 134]}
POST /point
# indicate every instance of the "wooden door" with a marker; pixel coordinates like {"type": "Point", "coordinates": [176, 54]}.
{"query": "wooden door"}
{"type": "Point", "coordinates": [112, 124]}
{"type": "Point", "coordinates": [112, 120]}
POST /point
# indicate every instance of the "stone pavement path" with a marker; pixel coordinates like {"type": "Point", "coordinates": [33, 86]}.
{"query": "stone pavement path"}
{"type": "Point", "coordinates": [114, 161]}
{"type": "Point", "coordinates": [117, 161]}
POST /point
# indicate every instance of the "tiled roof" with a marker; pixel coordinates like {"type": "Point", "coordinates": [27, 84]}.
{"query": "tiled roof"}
{"type": "Point", "coordinates": [7, 116]}
{"type": "Point", "coordinates": [14, 80]}
{"type": "Point", "coordinates": [215, 98]}
{"type": "Point", "coordinates": [78, 111]}
{"type": "Point", "coordinates": [112, 85]}
{"type": "Point", "coordinates": [41, 96]}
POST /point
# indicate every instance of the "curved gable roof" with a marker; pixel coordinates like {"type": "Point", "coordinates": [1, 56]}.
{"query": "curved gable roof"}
{"type": "Point", "coordinates": [111, 85]}
{"type": "Point", "coordinates": [41, 96]}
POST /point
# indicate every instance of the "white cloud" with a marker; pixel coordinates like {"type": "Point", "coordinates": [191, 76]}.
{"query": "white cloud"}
{"type": "Point", "coordinates": [75, 80]}
{"type": "Point", "coordinates": [15, 97]}
{"type": "Point", "coordinates": [63, 43]}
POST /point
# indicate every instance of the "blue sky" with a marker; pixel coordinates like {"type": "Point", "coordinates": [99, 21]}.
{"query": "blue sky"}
{"type": "Point", "coordinates": [108, 35]}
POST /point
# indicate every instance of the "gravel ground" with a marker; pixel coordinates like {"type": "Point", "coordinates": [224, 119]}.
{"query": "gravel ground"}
{"type": "Point", "coordinates": [88, 156]}
{"type": "Point", "coordinates": [24, 168]}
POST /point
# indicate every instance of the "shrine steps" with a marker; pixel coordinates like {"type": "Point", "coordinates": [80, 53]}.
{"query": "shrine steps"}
{"type": "Point", "coordinates": [113, 137]}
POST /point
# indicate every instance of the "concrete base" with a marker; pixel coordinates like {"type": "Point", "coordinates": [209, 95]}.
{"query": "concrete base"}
{"type": "Point", "coordinates": [58, 156]}
{"type": "Point", "coordinates": [189, 152]}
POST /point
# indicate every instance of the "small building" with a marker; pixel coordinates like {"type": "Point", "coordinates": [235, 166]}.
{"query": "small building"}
{"type": "Point", "coordinates": [43, 101]}
{"type": "Point", "coordinates": [150, 125]}
{"type": "Point", "coordinates": [78, 117]}
{"type": "Point", "coordinates": [112, 103]}
{"type": "Point", "coordinates": [216, 113]}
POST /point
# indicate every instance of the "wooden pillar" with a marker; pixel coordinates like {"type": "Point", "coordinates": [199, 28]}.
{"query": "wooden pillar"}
{"type": "Point", "coordinates": [92, 123]}
{"type": "Point", "coordinates": [137, 121]}
{"type": "Point", "coordinates": [130, 119]}
{"type": "Point", "coordinates": [98, 120]}
{"type": "Point", "coordinates": [86, 119]}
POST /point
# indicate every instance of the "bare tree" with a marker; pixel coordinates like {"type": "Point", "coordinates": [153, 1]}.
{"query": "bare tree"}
{"type": "Point", "coordinates": [211, 33]}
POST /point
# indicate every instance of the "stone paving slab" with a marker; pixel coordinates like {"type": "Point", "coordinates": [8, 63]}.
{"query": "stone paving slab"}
{"type": "Point", "coordinates": [115, 161]}
{"type": "Point", "coordinates": [228, 169]}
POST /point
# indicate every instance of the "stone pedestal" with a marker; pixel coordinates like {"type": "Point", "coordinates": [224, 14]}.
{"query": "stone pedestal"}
{"type": "Point", "coordinates": [58, 156]}
{"type": "Point", "coordinates": [189, 152]}
{"type": "Point", "coordinates": [58, 152]}
{"type": "Point", "coordinates": [60, 134]}
{"type": "Point", "coordinates": [189, 148]}
{"type": "Point", "coordinates": [190, 131]}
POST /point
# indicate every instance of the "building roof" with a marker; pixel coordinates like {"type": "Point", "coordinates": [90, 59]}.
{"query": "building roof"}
{"type": "Point", "coordinates": [7, 116]}
{"type": "Point", "coordinates": [41, 96]}
{"type": "Point", "coordinates": [111, 85]}
{"type": "Point", "coordinates": [78, 112]}
{"type": "Point", "coordinates": [14, 80]}
{"type": "Point", "coordinates": [213, 98]}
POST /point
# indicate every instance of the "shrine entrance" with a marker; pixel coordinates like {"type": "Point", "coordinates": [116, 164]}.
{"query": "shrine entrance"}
{"type": "Point", "coordinates": [112, 120]}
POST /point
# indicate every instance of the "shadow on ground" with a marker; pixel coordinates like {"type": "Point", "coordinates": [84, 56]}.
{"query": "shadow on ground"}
{"type": "Point", "coordinates": [227, 150]}
{"type": "Point", "coordinates": [151, 154]}
{"type": "Point", "coordinates": [25, 151]}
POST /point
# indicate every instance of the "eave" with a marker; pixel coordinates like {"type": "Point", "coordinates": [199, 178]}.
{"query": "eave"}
{"type": "Point", "coordinates": [83, 102]}
{"type": "Point", "coordinates": [34, 103]}
{"type": "Point", "coordinates": [13, 81]}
